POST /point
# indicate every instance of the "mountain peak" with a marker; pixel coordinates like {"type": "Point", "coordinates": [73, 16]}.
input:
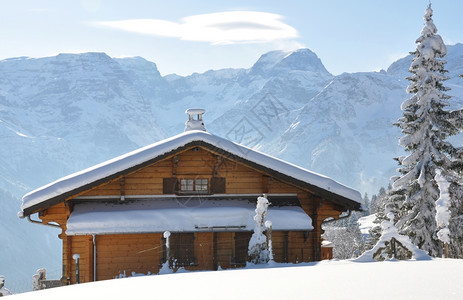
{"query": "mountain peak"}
{"type": "Point", "coordinates": [91, 56]}
{"type": "Point", "coordinates": [139, 64]}
{"type": "Point", "coordinates": [284, 61]}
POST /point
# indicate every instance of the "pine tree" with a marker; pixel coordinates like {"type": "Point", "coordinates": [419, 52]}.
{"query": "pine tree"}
{"type": "Point", "coordinates": [366, 205]}
{"type": "Point", "coordinates": [373, 203]}
{"type": "Point", "coordinates": [380, 216]}
{"type": "Point", "coordinates": [425, 124]}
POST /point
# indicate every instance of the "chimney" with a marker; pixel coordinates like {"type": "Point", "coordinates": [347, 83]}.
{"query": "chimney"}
{"type": "Point", "coordinates": [195, 119]}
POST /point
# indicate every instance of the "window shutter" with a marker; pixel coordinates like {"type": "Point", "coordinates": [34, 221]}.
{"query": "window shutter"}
{"type": "Point", "coordinates": [218, 185]}
{"type": "Point", "coordinates": [169, 185]}
{"type": "Point", "coordinates": [241, 247]}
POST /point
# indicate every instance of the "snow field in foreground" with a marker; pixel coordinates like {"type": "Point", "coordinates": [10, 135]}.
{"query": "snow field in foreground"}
{"type": "Point", "coordinates": [433, 279]}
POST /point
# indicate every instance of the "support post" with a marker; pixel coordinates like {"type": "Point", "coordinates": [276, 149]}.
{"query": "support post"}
{"type": "Point", "coordinates": [76, 257]}
{"type": "Point", "coordinates": [317, 224]}
{"type": "Point", "coordinates": [167, 236]}
{"type": "Point", "coordinates": [94, 256]}
{"type": "Point", "coordinates": [268, 225]}
{"type": "Point", "coordinates": [122, 188]}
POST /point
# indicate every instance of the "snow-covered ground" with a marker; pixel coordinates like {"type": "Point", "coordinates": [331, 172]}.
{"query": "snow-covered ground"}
{"type": "Point", "coordinates": [366, 223]}
{"type": "Point", "coordinates": [432, 279]}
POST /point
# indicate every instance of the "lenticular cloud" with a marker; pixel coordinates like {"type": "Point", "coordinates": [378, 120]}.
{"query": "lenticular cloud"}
{"type": "Point", "coordinates": [232, 27]}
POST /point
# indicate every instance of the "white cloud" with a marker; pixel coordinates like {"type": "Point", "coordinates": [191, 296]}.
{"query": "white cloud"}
{"type": "Point", "coordinates": [221, 28]}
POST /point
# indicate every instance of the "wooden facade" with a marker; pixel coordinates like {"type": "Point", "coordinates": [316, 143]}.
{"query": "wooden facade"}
{"type": "Point", "coordinates": [107, 256]}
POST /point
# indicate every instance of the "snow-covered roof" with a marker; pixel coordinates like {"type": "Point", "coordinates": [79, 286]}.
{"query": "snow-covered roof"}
{"type": "Point", "coordinates": [179, 216]}
{"type": "Point", "coordinates": [327, 244]}
{"type": "Point", "coordinates": [60, 189]}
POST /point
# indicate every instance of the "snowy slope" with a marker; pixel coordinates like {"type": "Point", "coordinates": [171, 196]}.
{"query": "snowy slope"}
{"type": "Point", "coordinates": [377, 280]}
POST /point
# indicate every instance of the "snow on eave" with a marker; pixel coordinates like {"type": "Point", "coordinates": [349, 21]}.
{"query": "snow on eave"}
{"type": "Point", "coordinates": [172, 215]}
{"type": "Point", "coordinates": [68, 186]}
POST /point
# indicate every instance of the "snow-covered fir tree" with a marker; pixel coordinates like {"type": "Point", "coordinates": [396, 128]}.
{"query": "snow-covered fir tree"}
{"type": "Point", "coordinates": [377, 201]}
{"type": "Point", "coordinates": [426, 124]}
{"type": "Point", "coordinates": [380, 216]}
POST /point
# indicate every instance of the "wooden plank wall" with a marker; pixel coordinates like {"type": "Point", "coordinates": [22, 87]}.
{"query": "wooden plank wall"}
{"type": "Point", "coordinates": [83, 246]}
{"type": "Point", "coordinates": [200, 163]}
{"type": "Point", "coordinates": [204, 251]}
{"type": "Point", "coordinates": [225, 249]}
{"type": "Point", "coordinates": [292, 246]}
{"type": "Point", "coordinates": [126, 254]}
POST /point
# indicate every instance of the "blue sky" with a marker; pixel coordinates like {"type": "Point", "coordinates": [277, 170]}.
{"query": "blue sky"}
{"type": "Point", "coordinates": [194, 36]}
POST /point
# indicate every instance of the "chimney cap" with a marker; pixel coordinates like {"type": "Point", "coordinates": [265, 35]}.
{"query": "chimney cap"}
{"type": "Point", "coordinates": [195, 111]}
{"type": "Point", "coordinates": [195, 123]}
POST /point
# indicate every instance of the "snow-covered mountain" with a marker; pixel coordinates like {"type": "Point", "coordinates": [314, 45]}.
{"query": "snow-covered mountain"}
{"type": "Point", "coordinates": [64, 113]}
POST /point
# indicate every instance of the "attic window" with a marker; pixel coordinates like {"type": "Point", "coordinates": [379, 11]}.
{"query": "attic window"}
{"type": "Point", "coordinates": [186, 185]}
{"type": "Point", "coordinates": [199, 185]}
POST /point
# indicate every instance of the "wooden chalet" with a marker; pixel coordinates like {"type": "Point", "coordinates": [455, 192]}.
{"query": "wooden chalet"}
{"type": "Point", "coordinates": [202, 189]}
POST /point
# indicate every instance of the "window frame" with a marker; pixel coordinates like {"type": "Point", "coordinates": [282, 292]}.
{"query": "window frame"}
{"type": "Point", "coordinates": [198, 185]}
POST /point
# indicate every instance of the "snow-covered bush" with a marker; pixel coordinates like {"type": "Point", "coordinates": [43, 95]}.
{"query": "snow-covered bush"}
{"type": "Point", "coordinates": [393, 245]}
{"type": "Point", "coordinates": [37, 278]}
{"type": "Point", "coordinates": [258, 252]}
{"type": "Point", "coordinates": [3, 290]}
